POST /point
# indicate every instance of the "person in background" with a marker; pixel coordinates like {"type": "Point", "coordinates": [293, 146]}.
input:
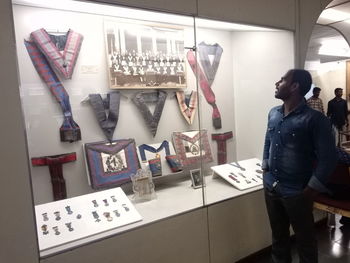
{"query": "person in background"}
{"type": "Point", "coordinates": [315, 102]}
{"type": "Point", "coordinates": [297, 137]}
{"type": "Point", "coordinates": [338, 112]}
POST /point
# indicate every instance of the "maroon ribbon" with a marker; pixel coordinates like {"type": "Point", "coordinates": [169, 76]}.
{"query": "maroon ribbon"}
{"type": "Point", "coordinates": [221, 139]}
{"type": "Point", "coordinates": [55, 167]}
{"type": "Point", "coordinates": [206, 88]}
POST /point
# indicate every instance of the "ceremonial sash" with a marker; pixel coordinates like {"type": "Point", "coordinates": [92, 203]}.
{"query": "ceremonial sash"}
{"type": "Point", "coordinates": [140, 99]}
{"type": "Point", "coordinates": [206, 88]}
{"type": "Point", "coordinates": [221, 139]}
{"type": "Point", "coordinates": [187, 108]}
{"type": "Point", "coordinates": [107, 122]}
{"type": "Point", "coordinates": [55, 163]}
{"type": "Point", "coordinates": [192, 147]}
{"type": "Point", "coordinates": [69, 130]}
{"type": "Point", "coordinates": [63, 62]}
{"type": "Point", "coordinates": [111, 164]}
{"type": "Point", "coordinates": [204, 51]}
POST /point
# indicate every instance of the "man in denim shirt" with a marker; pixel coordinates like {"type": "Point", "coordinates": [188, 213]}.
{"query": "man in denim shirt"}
{"type": "Point", "coordinates": [299, 156]}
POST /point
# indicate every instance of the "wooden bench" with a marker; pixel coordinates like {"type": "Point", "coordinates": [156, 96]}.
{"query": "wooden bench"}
{"type": "Point", "coordinates": [332, 206]}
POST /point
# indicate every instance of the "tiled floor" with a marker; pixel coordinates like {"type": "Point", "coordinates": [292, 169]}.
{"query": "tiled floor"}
{"type": "Point", "coordinates": [333, 244]}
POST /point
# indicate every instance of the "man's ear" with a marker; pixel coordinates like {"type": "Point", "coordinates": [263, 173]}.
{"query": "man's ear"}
{"type": "Point", "coordinates": [295, 87]}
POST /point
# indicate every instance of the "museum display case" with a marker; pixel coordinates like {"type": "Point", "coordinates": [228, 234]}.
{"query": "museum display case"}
{"type": "Point", "coordinates": [134, 116]}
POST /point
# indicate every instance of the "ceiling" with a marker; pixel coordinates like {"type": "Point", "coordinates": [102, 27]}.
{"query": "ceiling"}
{"type": "Point", "coordinates": [333, 25]}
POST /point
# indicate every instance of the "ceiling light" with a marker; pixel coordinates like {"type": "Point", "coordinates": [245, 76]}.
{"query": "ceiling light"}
{"type": "Point", "coordinates": [206, 23]}
{"type": "Point", "coordinates": [334, 15]}
{"type": "Point", "coordinates": [335, 48]}
{"type": "Point", "coordinates": [132, 13]}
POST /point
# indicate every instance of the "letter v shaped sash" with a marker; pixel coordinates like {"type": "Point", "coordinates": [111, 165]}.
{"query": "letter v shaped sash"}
{"type": "Point", "coordinates": [206, 89]}
{"type": "Point", "coordinates": [210, 69]}
{"type": "Point", "coordinates": [107, 123]}
{"type": "Point", "coordinates": [140, 99]}
{"type": "Point", "coordinates": [188, 110]}
{"type": "Point", "coordinates": [62, 63]}
{"type": "Point", "coordinates": [69, 130]}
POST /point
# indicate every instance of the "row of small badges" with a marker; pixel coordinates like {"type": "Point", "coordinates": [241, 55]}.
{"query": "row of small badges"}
{"type": "Point", "coordinates": [241, 177]}
{"type": "Point", "coordinates": [96, 216]}
{"type": "Point", "coordinates": [107, 215]}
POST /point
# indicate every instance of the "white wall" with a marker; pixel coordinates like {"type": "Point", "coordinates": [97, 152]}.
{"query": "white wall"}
{"type": "Point", "coordinates": [251, 11]}
{"type": "Point", "coordinates": [259, 61]}
{"type": "Point", "coordinates": [328, 77]}
{"type": "Point", "coordinates": [244, 87]}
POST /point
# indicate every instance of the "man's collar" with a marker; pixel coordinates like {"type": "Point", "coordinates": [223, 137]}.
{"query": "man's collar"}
{"type": "Point", "coordinates": [338, 99]}
{"type": "Point", "coordinates": [301, 106]}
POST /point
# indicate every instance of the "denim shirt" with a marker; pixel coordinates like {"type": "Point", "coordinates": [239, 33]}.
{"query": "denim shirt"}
{"type": "Point", "coordinates": [299, 150]}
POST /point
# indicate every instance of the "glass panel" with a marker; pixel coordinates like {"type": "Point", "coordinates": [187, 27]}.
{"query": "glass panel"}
{"type": "Point", "coordinates": [239, 65]}
{"type": "Point", "coordinates": [82, 187]}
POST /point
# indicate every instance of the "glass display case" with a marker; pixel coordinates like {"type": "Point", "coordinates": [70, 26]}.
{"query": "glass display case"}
{"type": "Point", "coordinates": [134, 116]}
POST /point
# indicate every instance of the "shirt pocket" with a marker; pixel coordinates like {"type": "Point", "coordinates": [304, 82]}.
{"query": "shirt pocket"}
{"type": "Point", "coordinates": [270, 131]}
{"type": "Point", "coordinates": [293, 139]}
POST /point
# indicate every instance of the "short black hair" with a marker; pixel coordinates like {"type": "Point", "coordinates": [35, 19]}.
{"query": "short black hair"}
{"type": "Point", "coordinates": [303, 78]}
{"type": "Point", "coordinates": [335, 91]}
{"type": "Point", "coordinates": [316, 89]}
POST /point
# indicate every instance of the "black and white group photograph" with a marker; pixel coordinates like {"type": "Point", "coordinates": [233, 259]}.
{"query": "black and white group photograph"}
{"type": "Point", "coordinates": [142, 56]}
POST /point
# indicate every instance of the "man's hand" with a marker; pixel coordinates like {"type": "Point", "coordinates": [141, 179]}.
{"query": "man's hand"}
{"type": "Point", "coordinates": [310, 193]}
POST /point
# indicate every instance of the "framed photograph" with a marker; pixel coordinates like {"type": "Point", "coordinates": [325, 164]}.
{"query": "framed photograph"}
{"type": "Point", "coordinates": [145, 56]}
{"type": "Point", "coordinates": [196, 177]}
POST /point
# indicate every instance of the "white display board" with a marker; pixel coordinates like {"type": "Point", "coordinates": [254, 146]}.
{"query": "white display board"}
{"type": "Point", "coordinates": [243, 174]}
{"type": "Point", "coordinates": [71, 219]}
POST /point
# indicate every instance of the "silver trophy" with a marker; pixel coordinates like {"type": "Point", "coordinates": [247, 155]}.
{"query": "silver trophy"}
{"type": "Point", "coordinates": [143, 186]}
